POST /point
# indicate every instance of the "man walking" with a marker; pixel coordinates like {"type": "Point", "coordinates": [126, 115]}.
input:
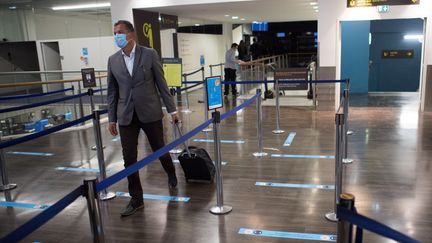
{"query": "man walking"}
{"type": "Point", "coordinates": [135, 85]}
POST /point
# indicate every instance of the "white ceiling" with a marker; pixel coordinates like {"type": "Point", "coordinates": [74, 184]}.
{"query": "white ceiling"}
{"type": "Point", "coordinates": [254, 10]}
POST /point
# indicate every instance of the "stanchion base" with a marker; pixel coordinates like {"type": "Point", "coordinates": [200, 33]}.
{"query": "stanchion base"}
{"type": "Point", "coordinates": [7, 187]}
{"type": "Point", "coordinates": [260, 154]}
{"type": "Point", "coordinates": [349, 132]}
{"type": "Point", "coordinates": [107, 196]}
{"type": "Point", "coordinates": [220, 210]}
{"type": "Point", "coordinates": [207, 130]}
{"type": "Point", "coordinates": [278, 131]}
{"type": "Point", "coordinates": [347, 161]}
{"type": "Point", "coordinates": [175, 151]}
{"type": "Point", "coordinates": [94, 147]}
{"type": "Point", "coordinates": [331, 216]}
{"type": "Point", "coordinates": [186, 111]}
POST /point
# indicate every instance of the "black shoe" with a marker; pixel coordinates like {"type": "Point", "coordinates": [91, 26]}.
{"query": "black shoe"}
{"type": "Point", "coordinates": [172, 181]}
{"type": "Point", "coordinates": [132, 207]}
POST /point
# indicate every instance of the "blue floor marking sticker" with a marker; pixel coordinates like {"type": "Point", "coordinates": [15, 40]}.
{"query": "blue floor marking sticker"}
{"type": "Point", "coordinates": [177, 161]}
{"type": "Point", "coordinates": [79, 169]}
{"type": "Point", "coordinates": [287, 235]}
{"type": "Point", "coordinates": [302, 156]}
{"type": "Point", "coordinates": [30, 153]}
{"type": "Point", "coordinates": [157, 197]}
{"type": "Point", "coordinates": [289, 139]}
{"type": "Point", "coordinates": [23, 205]}
{"type": "Point", "coordinates": [222, 141]}
{"type": "Point", "coordinates": [312, 186]}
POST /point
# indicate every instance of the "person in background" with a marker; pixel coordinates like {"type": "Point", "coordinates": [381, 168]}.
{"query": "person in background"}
{"type": "Point", "coordinates": [230, 69]}
{"type": "Point", "coordinates": [136, 85]}
{"type": "Point", "coordinates": [242, 51]}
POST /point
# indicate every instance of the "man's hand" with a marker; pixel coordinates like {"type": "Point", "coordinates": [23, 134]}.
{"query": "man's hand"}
{"type": "Point", "coordinates": [175, 118]}
{"type": "Point", "coordinates": [112, 127]}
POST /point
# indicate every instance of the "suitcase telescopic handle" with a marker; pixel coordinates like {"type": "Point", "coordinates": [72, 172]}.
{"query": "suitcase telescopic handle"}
{"type": "Point", "coordinates": [181, 135]}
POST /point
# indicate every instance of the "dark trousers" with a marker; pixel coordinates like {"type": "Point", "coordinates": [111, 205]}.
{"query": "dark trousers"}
{"type": "Point", "coordinates": [230, 76]}
{"type": "Point", "coordinates": [129, 140]}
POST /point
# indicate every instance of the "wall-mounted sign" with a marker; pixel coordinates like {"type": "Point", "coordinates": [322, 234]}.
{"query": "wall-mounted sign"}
{"type": "Point", "coordinates": [397, 54]}
{"type": "Point", "coordinates": [369, 3]}
{"type": "Point", "coordinates": [172, 68]}
{"type": "Point", "coordinates": [168, 21]}
{"type": "Point", "coordinates": [291, 74]}
{"type": "Point", "coordinates": [88, 77]}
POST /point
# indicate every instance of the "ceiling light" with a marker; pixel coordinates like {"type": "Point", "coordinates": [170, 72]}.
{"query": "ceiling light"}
{"type": "Point", "coordinates": [197, 24]}
{"type": "Point", "coordinates": [313, 3]}
{"type": "Point", "coordinates": [315, 7]}
{"type": "Point", "coordinates": [243, 19]}
{"type": "Point", "coordinates": [316, 11]}
{"type": "Point", "coordinates": [234, 17]}
{"type": "Point", "coordinates": [12, 7]}
{"type": "Point", "coordinates": [413, 37]}
{"type": "Point", "coordinates": [82, 6]}
{"type": "Point", "coordinates": [179, 22]}
{"type": "Point", "coordinates": [226, 15]}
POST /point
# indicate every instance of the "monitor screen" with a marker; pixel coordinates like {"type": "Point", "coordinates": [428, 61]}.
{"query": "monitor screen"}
{"type": "Point", "coordinates": [259, 26]}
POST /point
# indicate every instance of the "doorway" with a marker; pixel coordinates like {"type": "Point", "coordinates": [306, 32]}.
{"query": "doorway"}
{"type": "Point", "coordinates": [52, 62]}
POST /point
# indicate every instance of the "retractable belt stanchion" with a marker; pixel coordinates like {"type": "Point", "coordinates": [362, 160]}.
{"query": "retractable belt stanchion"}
{"type": "Point", "coordinates": [187, 110]}
{"type": "Point", "coordinates": [260, 152]}
{"type": "Point", "coordinates": [220, 208]}
{"type": "Point", "coordinates": [345, 228]}
{"type": "Point", "coordinates": [94, 210]}
{"type": "Point", "coordinates": [347, 87]}
{"type": "Point", "coordinates": [208, 129]}
{"type": "Point", "coordinates": [211, 70]}
{"type": "Point", "coordinates": [90, 93]}
{"type": "Point", "coordinates": [175, 150]}
{"type": "Point", "coordinates": [345, 158]}
{"type": "Point", "coordinates": [74, 104]}
{"type": "Point", "coordinates": [278, 130]}
{"type": "Point", "coordinates": [5, 186]}
{"type": "Point", "coordinates": [332, 216]}
{"type": "Point", "coordinates": [104, 195]}
{"type": "Point", "coordinates": [81, 107]}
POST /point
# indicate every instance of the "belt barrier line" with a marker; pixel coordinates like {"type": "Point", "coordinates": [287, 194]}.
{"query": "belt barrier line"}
{"type": "Point", "coordinates": [193, 72]}
{"type": "Point", "coordinates": [16, 97]}
{"type": "Point", "coordinates": [138, 165]}
{"type": "Point", "coordinates": [33, 224]}
{"type": "Point", "coordinates": [285, 81]}
{"type": "Point", "coordinates": [190, 87]}
{"type": "Point", "coordinates": [45, 132]}
{"type": "Point", "coordinates": [373, 226]}
{"type": "Point", "coordinates": [40, 219]}
{"type": "Point", "coordinates": [46, 102]}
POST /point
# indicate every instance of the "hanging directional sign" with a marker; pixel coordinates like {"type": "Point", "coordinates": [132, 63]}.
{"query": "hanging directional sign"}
{"type": "Point", "coordinates": [369, 3]}
{"type": "Point", "coordinates": [397, 54]}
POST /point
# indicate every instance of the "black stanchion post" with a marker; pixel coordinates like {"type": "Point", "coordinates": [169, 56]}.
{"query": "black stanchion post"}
{"type": "Point", "coordinates": [94, 210]}
{"type": "Point", "coordinates": [260, 152]}
{"type": "Point", "coordinates": [5, 186]}
{"type": "Point", "coordinates": [90, 93]}
{"type": "Point", "coordinates": [349, 132]}
{"type": "Point", "coordinates": [74, 104]}
{"type": "Point", "coordinates": [345, 228]}
{"type": "Point", "coordinates": [220, 208]}
{"type": "Point", "coordinates": [345, 158]}
{"type": "Point", "coordinates": [339, 120]}
{"type": "Point", "coordinates": [278, 130]}
{"type": "Point", "coordinates": [81, 107]}
{"type": "Point", "coordinates": [211, 70]}
{"type": "Point", "coordinates": [100, 154]}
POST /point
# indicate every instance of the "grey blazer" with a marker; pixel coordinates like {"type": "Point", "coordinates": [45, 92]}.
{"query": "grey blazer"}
{"type": "Point", "coordinates": [141, 92]}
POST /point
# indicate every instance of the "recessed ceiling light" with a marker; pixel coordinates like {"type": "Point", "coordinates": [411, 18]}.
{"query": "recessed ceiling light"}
{"type": "Point", "coordinates": [82, 6]}
{"type": "Point", "coordinates": [234, 17]}
{"type": "Point", "coordinates": [315, 7]}
{"type": "Point", "coordinates": [243, 19]}
{"type": "Point", "coordinates": [12, 7]}
{"type": "Point", "coordinates": [197, 24]}
{"type": "Point", "coordinates": [313, 3]}
{"type": "Point", "coordinates": [226, 15]}
{"type": "Point", "coordinates": [316, 10]}
{"type": "Point", "coordinates": [179, 22]}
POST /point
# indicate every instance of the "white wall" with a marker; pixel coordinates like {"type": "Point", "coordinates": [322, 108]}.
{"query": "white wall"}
{"type": "Point", "coordinates": [16, 25]}
{"type": "Point", "coordinates": [237, 34]}
{"type": "Point", "coordinates": [191, 46]}
{"type": "Point", "coordinates": [167, 41]}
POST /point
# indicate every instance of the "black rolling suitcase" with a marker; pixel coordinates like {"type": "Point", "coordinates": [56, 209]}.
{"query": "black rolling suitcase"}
{"type": "Point", "coordinates": [197, 164]}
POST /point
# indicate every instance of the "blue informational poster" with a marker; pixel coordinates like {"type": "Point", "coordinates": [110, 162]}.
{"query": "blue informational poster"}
{"type": "Point", "coordinates": [214, 92]}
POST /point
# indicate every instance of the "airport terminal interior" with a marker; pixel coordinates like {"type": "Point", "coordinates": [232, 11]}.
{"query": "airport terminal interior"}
{"type": "Point", "coordinates": [328, 132]}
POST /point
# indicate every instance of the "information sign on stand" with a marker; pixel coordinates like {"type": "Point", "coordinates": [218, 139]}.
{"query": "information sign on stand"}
{"type": "Point", "coordinates": [172, 68]}
{"type": "Point", "coordinates": [214, 92]}
{"type": "Point", "coordinates": [88, 77]}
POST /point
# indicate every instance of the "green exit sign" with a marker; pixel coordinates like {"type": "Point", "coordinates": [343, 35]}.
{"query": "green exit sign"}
{"type": "Point", "coordinates": [383, 8]}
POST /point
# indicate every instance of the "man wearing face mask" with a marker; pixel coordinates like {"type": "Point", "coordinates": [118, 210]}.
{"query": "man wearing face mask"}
{"type": "Point", "coordinates": [135, 85]}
